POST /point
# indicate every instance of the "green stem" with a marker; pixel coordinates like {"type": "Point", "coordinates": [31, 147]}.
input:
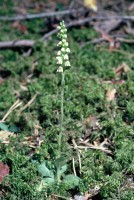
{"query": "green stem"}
{"type": "Point", "coordinates": [58, 176]}
{"type": "Point", "coordinates": [62, 113]}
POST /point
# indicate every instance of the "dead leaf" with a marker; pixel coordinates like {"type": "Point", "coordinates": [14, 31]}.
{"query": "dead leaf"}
{"type": "Point", "coordinates": [92, 122]}
{"type": "Point", "coordinates": [131, 7]}
{"type": "Point", "coordinates": [91, 4]}
{"type": "Point", "coordinates": [105, 36]}
{"type": "Point", "coordinates": [114, 81]}
{"type": "Point", "coordinates": [110, 94]}
{"type": "Point", "coordinates": [4, 171]}
{"type": "Point", "coordinates": [33, 141]}
{"type": "Point", "coordinates": [123, 68]}
{"type": "Point", "coordinates": [4, 136]}
{"type": "Point", "coordinates": [109, 24]}
{"type": "Point", "coordinates": [20, 27]}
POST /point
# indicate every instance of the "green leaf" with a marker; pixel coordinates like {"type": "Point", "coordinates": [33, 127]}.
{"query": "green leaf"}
{"type": "Point", "coordinates": [71, 180]}
{"type": "Point", "coordinates": [48, 181]}
{"type": "Point", "coordinates": [60, 162]}
{"type": "Point", "coordinates": [45, 182]}
{"type": "Point", "coordinates": [14, 129]}
{"type": "Point", "coordinates": [44, 171]}
{"type": "Point", "coordinates": [4, 127]}
{"type": "Point", "coordinates": [62, 169]}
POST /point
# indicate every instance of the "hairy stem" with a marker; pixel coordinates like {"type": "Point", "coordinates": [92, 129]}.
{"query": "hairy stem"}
{"type": "Point", "coordinates": [62, 113]}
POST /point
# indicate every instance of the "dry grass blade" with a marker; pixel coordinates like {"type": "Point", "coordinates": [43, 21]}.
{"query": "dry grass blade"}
{"type": "Point", "coordinates": [28, 104]}
{"type": "Point", "coordinates": [123, 68]}
{"type": "Point", "coordinates": [101, 146]}
{"type": "Point", "coordinates": [73, 162]}
{"type": "Point", "coordinates": [78, 153]}
{"type": "Point", "coordinates": [5, 136]}
{"type": "Point", "coordinates": [11, 109]}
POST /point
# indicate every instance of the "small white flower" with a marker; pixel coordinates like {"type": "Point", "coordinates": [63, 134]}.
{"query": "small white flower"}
{"type": "Point", "coordinates": [63, 40]}
{"type": "Point", "coordinates": [58, 53]}
{"type": "Point", "coordinates": [58, 27]}
{"type": "Point", "coordinates": [66, 57]}
{"type": "Point", "coordinates": [66, 44]}
{"type": "Point", "coordinates": [67, 50]}
{"type": "Point", "coordinates": [59, 44]}
{"type": "Point", "coordinates": [59, 60]}
{"type": "Point", "coordinates": [64, 36]}
{"type": "Point", "coordinates": [60, 69]}
{"type": "Point", "coordinates": [62, 24]}
{"type": "Point", "coordinates": [63, 49]}
{"type": "Point", "coordinates": [67, 63]}
{"type": "Point", "coordinates": [58, 57]}
{"type": "Point", "coordinates": [62, 31]}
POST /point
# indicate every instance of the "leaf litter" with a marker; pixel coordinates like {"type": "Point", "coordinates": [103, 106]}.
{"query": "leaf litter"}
{"type": "Point", "coordinates": [4, 171]}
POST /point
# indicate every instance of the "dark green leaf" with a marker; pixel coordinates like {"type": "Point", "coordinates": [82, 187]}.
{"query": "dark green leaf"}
{"type": "Point", "coordinates": [62, 169]}
{"type": "Point", "coordinates": [44, 171]}
{"type": "Point", "coordinates": [4, 127]}
{"type": "Point", "coordinates": [48, 181]}
{"type": "Point", "coordinates": [60, 162]}
{"type": "Point", "coordinates": [14, 129]}
{"type": "Point", "coordinates": [72, 180]}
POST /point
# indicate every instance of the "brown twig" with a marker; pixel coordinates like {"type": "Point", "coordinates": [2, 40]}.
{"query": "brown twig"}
{"type": "Point", "coordinates": [64, 12]}
{"type": "Point", "coordinates": [17, 43]}
{"type": "Point", "coordinates": [28, 104]}
{"type": "Point", "coordinates": [47, 35]}
{"type": "Point", "coordinates": [30, 43]}
{"type": "Point", "coordinates": [84, 21]}
{"type": "Point", "coordinates": [78, 153]}
{"type": "Point", "coordinates": [68, 25]}
{"type": "Point", "coordinates": [40, 15]}
{"type": "Point", "coordinates": [11, 109]}
{"type": "Point", "coordinates": [115, 37]}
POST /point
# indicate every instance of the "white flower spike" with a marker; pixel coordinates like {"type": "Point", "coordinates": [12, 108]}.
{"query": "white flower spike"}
{"type": "Point", "coordinates": [62, 55]}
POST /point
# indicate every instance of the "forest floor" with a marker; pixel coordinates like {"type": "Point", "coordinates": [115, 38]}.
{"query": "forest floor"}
{"type": "Point", "coordinates": [97, 159]}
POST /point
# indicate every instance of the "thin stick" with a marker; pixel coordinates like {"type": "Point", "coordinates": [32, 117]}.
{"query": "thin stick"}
{"type": "Point", "coordinates": [13, 107]}
{"type": "Point", "coordinates": [115, 37]}
{"type": "Point", "coordinates": [47, 35]}
{"type": "Point", "coordinates": [89, 146]}
{"type": "Point", "coordinates": [73, 23]}
{"type": "Point", "coordinates": [40, 15]}
{"type": "Point", "coordinates": [74, 170]}
{"type": "Point", "coordinates": [78, 153]}
{"type": "Point", "coordinates": [28, 104]}
{"type": "Point", "coordinates": [79, 158]}
{"type": "Point", "coordinates": [77, 23]}
{"type": "Point", "coordinates": [65, 12]}
{"type": "Point", "coordinates": [30, 43]}
{"type": "Point", "coordinates": [55, 195]}
{"type": "Point", "coordinates": [17, 43]}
